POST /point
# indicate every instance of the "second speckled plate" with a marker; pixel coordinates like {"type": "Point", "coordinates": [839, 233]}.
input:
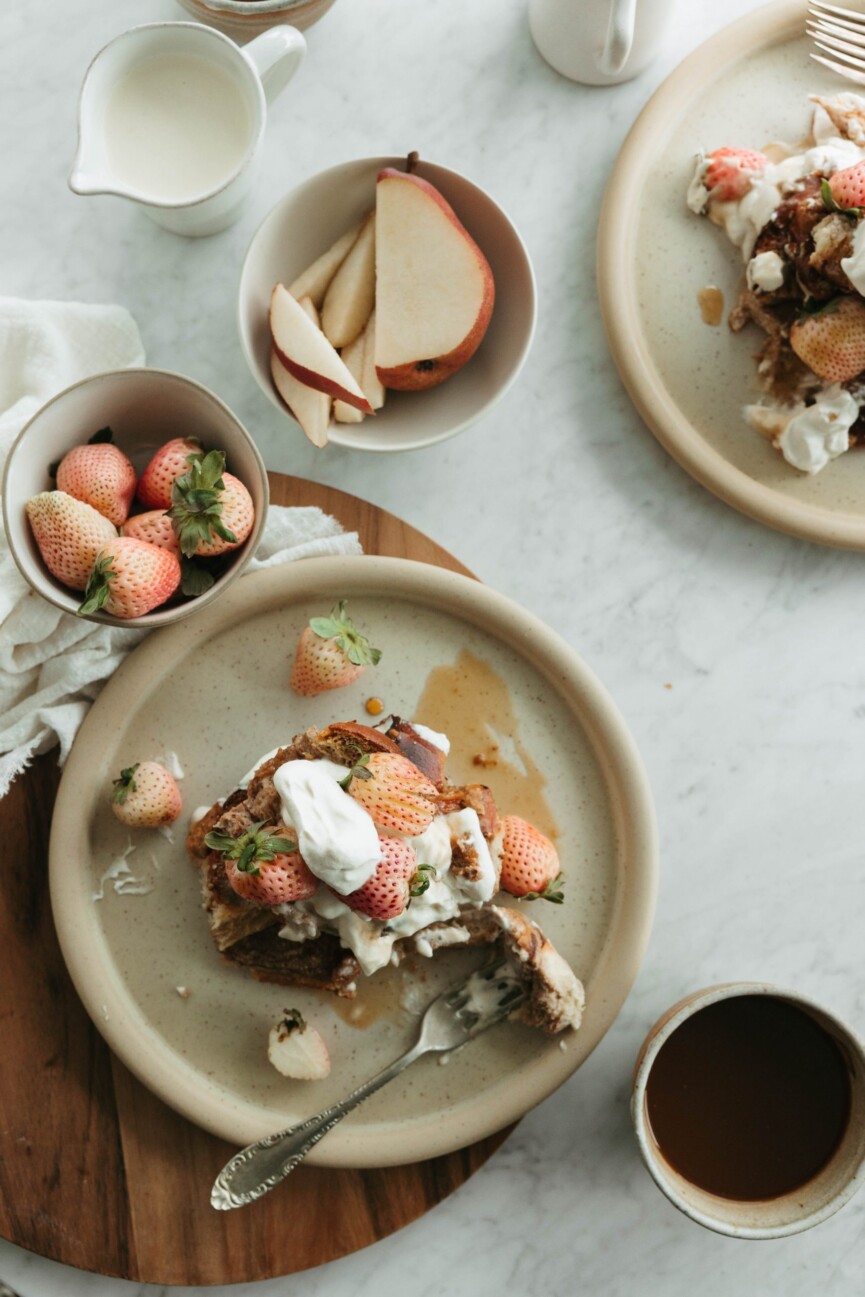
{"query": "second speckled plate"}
{"type": "Point", "coordinates": [214, 691]}
{"type": "Point", "coordinates": [744, 87]}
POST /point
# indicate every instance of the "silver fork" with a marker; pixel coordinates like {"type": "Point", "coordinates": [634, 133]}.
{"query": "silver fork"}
{"type": "Point", "coordinates": [456, 1016]}
{"type": "Point", "coordinates": [841, 33]}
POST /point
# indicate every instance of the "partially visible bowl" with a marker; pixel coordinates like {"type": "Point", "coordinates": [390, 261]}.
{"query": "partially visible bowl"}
{"type": "Point", "coordinates": [243, 19]}
{"type": "Point", "coordinates": [310, 218]}
{"type": "Point", "coordinates": [144, 408]}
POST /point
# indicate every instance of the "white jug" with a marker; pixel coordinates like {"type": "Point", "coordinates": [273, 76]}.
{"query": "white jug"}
{"type": "Point", "coordinates": [171, 116]}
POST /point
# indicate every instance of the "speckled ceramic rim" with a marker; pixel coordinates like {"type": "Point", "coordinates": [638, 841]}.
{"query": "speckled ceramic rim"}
{"type": "Point", "coordinates": [661, 1172]}
{"type": "Point", "coordinates": [347, 436]}
{"type": "Point", "coordinates": [39, 577]}
{"type": "Point", "coordinates": [618, 290]}
{"type": "Point", "coordinates": [120, 1018]}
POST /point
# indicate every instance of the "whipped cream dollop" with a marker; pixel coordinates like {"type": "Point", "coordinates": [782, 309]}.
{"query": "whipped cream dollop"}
{"type": "Point", "coordinates": [336, 836]}
{"type": "Point", "coordinates": [854, 265]}
{"type": "Point", "coordinates": [765, 271]}
{"type": "Point", "coordinates": [809, 436]}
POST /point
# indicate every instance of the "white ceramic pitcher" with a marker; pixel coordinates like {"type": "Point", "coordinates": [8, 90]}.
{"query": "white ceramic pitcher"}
{"type": "Point", "coordinates": [255, 75]}
{"type": "Point", "coordinates": [599, 42]}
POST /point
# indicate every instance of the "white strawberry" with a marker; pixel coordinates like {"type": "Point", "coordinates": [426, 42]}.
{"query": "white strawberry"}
{"type": "Point", "coordinates": [296, 1049]}
{"type": "Point", "coordinates": [69, 534]}
{"type": "Point", "coordinates": [146, 796]}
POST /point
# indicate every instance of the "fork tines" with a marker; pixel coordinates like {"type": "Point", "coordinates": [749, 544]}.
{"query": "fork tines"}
{"type": "Point", "coordinates": [838, 32]}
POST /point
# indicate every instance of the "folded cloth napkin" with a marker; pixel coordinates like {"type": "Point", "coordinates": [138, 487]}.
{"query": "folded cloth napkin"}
{"type": "Point", "coordinates": [52, 665]}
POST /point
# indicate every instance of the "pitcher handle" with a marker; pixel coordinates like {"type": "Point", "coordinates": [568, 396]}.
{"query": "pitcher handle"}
{"type": "Point", "coordinates": [620, 37]}
{"type": "Point", "coordinates": [276, 55]}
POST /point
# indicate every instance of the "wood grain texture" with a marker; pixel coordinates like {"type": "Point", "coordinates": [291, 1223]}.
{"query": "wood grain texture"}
{"type": "Point", "coordinates": [98, 1173]}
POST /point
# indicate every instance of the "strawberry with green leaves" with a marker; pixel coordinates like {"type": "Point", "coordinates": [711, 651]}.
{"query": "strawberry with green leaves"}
{"type": "Point", "coordinates": [398, 877]}
{"type": "Point", "coordinates": [263, 865]}
{"type": "Point", "coordinates": [69, 534]}
{"type": "Point", "coordinates": [530, 862]}
{"type": "Point", "coordinates": [146, 796]}
{"type": "Point", "coordinates": [211, 510]}
{"type": "Point", "coordinates": [130, 578]}
{"type": "Point", "coordinates": [331, 654]}
{"type": "Point", "coordinates": [845, 191]}
{"type": "Point", "coordinates": [169, 462]}
{"type": "Point", "coordinates": [99, 474]}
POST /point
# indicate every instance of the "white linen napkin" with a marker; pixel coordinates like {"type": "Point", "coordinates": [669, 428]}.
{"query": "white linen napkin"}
{"type": "Point", "coordinates": [52, 665]}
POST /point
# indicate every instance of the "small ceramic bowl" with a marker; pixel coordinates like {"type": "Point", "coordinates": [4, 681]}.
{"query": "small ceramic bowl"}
{"type": "Point", "coordinates": [312, 217]}
{"type": "Point", "coordinates": [243, 19]}
{"type": "Point", "coordinates": [792, 1212]}
{"type": "Point", "coordinates": [144, 408]}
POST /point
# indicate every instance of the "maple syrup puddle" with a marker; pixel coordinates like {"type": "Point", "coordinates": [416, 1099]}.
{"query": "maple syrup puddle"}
{"type": "Point", "coordinates": [471, 703]}
{"type": "Point", "coordinates": [711, 301]}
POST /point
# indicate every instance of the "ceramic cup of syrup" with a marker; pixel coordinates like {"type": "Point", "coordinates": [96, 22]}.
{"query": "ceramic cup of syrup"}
{"type": "Point", "coordinates": [172, 115]}
{"type": "Point", "coordinates": [749, 1108]}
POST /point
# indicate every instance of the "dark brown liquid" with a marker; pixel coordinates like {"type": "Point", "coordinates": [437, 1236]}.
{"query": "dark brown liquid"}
{"type": "Point", "coordinates": [749, 1098]}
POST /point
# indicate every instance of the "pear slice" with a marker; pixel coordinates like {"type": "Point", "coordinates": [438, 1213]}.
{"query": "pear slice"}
{"type": "Point", "coordinates": [359, 360]}
{"type": "Point", "coordinates": [309, 407]}
{"type": "Point", "coordinates": [350, 297]}
{"type": "Point", "coordinates": [313, 282]}
{"type": "Point", "coordinates": [306, 353]}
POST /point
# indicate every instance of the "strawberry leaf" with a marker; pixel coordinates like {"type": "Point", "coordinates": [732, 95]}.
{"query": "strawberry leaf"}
{"type": "Point", "coordinates": [196, 503]}
{"type": "Point", "coordinates": [552, 892]}
{"type": "Point", "coordinates": [98, 586]}
{"type": "Point", "coordinates": [194, 579]}
{"type": "Point", "coordinates": [358, 771]}
{"type": "Point", "coordinates": [100, 437]}
{"type": "Point", "coordinates": [421, 879]}
{"type": "Point", "coordinates": [339, 626]}
{"type": "Point", "coordinates": [125, 784]}
{"type": "Point", "coordinates": [292, 1020]}
{"type": "Point", "coordinates": [258, 844]}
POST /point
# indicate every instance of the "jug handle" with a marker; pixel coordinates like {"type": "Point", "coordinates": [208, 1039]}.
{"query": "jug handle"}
{"type": "Point", "coordinates": [276, 55]}
{"type": "Point", "coordinates": [620, 37]}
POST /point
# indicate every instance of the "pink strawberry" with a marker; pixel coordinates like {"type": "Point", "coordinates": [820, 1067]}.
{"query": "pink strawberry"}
{"type": "Point", "coordinates": [730, 171]}
{"type": "Point", "coordinates": [154, 526]}
{"type": "Point", "coordinates": [847, 187]}
{"type": "Point", "coordinates": [394, 792]}
{"type": "Point", "coordinates": [211, 510]}
{"type": "Point", "coordinates": [130, 578]}
{"type": "Point", "coordinates": [397, 878]}
{"type": "Point", "coordinates": [831, 342]}
{"type": "Point", "coordinates": [100, 475]}
{"type": "Point", "coordinates": [530, 863]}
{"type": "Point", "coordinates": [331, 653]}
{"type": "Point", "coordinates": [146, 796]}
{"type": "Point", "coordinates": [296, 1049]}
{"type": "Point", "coordinates": [69, 534]}
{"type": "Point", "coordinates": [155, 483]}
{"type": "Point", "coordinates": [263, 865]}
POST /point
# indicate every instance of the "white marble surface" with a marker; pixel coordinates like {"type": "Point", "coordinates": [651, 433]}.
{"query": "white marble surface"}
{"type": "Point", "coordinates": [563, 500]}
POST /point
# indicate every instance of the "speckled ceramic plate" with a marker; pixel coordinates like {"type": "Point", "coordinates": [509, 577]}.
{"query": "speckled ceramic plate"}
{"type": "Point", "coordinates": [213, 690]}
{"type": "Point", "coordinates": [746, 86]}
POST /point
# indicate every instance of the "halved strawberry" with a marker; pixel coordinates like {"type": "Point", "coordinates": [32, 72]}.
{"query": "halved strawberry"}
{"type": "Point", "coordinates": [394, 792]}
{"type": "Point", "coordinates": [264, 865]}
{"type": "Point", "coordinates": [296, 1049]}
{"type": "Point", "coordinates": [331, 653]}
{"type": "Point", "coordinates": [729, 172]}
{"type": "Point", "coordinates": [398, 876]}
{"type": "Point", "coordinates": [530, 862]}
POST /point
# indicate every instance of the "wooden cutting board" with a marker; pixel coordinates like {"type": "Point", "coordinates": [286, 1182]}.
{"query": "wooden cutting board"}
{"type": "Point", "coordinates": [94, 1170]}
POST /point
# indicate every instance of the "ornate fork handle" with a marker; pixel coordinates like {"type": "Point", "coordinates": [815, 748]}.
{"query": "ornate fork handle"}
{"type": "Point", "coordinates": [256, 1169]}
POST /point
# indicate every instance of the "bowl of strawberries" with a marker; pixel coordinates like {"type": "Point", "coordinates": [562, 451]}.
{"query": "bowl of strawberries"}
{"type": "Point", "coordinates": [133, 497]}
